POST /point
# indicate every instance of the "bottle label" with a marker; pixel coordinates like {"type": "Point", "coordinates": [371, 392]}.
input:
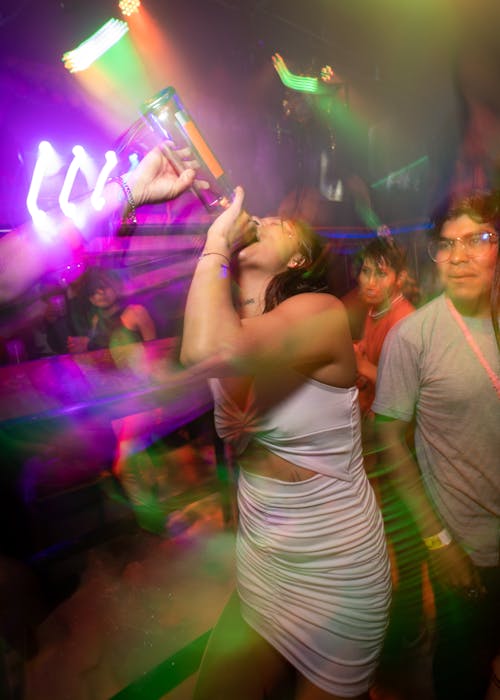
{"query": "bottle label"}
{"type": "Point", "coordinates": [200, 144]}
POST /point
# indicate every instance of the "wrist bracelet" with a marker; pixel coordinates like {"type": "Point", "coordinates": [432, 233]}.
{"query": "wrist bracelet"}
{"type": "Point", "coordinates": [203, 255]}
{"type": "Point", "coordinates": [130, 217]}
{"type": "Point", "coordinates": [438, 541]}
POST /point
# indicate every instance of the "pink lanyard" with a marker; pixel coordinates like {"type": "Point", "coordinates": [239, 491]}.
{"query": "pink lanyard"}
{"type": "Point", "coordinates": [495, 380]}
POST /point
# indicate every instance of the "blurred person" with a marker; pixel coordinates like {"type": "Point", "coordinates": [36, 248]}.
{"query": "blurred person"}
{"type": "Point", "coordinates": [155, 179]}
{"type": "Point", "coordinates": [314, 584]}
{"type": "Point", "coordinates": [381, 281]}
{"type": "Point", "coordinates": [442, 365]}
{"type": "Point", "coordinates": [110, 321]}
{"type": "Point", "coordinates": [313, 581]}
{"type": "Point", "coordinates": [139, 467]}
{"type": "Point", "coordinates": [465, 146]}
{"type": "Point", "coordinates": [67, 313]}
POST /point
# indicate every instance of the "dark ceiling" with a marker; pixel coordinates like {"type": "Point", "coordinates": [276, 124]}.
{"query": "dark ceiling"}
{"type": "Point", "coordinates": [396, 57]}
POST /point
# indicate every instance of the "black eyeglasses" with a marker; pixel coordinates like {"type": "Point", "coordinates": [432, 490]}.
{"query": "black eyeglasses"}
{"type": "Point", "coordinates": [475, 245]}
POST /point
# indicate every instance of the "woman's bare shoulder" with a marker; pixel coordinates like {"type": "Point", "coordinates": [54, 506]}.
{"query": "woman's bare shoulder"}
{"type": "Point", "coordinates": [135, 310]}
{"type": "Point", "coordinates": [312, 302]}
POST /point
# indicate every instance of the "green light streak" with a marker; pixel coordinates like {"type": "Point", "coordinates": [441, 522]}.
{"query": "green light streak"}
{"type": "Point", "coordinates": [95, 46]}
{"type": "Point", "coordinates": [295, 82]}
{"type": "Point", "coordinates": [399, 172]}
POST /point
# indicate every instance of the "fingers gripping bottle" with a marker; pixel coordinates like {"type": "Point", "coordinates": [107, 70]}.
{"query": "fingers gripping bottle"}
{"type": "Point", "coordinates": [164, 117]}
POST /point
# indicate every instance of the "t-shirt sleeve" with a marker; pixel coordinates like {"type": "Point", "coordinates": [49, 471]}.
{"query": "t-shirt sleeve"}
{"type": "Point", "coordinates": [397, 377]}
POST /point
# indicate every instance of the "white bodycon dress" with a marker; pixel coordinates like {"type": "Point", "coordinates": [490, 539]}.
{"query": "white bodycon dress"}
{"type": "Point", "coordinates": [312, 567]}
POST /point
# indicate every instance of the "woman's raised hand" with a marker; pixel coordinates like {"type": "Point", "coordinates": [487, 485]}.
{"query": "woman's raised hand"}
{"type": "Point", "coordinates": [233, 228]}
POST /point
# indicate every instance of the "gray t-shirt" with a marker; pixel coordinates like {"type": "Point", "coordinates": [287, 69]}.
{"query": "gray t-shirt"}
{"type": "Point", "coordinates": [427, 368]}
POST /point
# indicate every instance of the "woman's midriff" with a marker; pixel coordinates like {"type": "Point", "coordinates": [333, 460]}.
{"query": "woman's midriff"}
{"type": "Point", "coordinates": [259, 460]}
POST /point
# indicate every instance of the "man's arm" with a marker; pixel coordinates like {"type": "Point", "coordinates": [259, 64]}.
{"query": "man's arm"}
{"type": "Point", "coordinates": [137, 318]}
{"type": "Point", "coordinates": [396, 464]}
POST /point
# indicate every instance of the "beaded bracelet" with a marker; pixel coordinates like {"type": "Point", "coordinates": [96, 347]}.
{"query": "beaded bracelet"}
{"type": "Point", "coordinates": [131, 217]}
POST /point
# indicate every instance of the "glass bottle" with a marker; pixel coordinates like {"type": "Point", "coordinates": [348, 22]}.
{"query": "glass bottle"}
{"type": "Point", "coordinates": [165, 117]}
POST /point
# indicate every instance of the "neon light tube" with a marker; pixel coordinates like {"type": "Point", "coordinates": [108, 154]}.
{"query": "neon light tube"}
{"type": "Point", "coordinates": [45, 154]}
{"type": "Point", "coordinates": [97, 200]}
{"type": "Point", "coordinates": [291, 80]}
{"type": "Point", "coordinates": [67, 208]}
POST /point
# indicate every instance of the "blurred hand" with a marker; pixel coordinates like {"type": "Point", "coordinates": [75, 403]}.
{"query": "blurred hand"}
{"type": "Point", "coordinates": [365, 368]}
{"type": "Point", "coordinates": [160, 176]}
{"type": "Point", "coordinates": [454, 569]}
{"type": "Point", "coordinates": [358, 351]}
{"type": "Point", "coordinates": [78, 343]}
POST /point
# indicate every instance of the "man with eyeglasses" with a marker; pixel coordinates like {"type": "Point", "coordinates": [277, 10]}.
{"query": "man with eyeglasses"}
{"type": "Point", "coordinates": [442, 364]}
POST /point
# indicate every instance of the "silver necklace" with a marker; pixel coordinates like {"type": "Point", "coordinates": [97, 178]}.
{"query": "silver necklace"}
{"type": "Point", "coordinates": [378, 314]}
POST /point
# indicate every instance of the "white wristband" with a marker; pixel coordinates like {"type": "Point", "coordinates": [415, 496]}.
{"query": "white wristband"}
{"type": "Point", "coordinates": [438, 541]}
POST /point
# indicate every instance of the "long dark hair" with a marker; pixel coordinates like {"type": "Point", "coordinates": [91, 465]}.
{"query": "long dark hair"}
{"type": "Point", "coordinates": [311, 276]}
{"type": "Point", "coordinates": [483, 207]}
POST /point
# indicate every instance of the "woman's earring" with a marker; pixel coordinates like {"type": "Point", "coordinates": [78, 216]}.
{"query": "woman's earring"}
{"type": "Point", "coordinates": [297, 261]}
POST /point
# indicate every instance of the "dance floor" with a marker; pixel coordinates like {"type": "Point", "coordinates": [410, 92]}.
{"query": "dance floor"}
{"type": "Point", "coordinates": [136, 623]}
